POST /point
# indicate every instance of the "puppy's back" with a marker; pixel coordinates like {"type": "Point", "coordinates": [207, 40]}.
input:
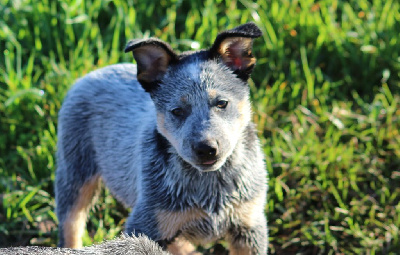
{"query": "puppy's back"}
{"type": "Point", "coordinates": [100, 123]}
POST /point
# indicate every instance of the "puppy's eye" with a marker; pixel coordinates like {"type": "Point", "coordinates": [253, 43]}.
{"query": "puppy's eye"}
{"type": "Point", "coordinates": [222, 104]}
{"type": "Point", "coordinates": [177, 111]}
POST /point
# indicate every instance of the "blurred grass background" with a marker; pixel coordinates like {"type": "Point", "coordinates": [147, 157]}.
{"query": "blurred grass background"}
{"type": "Point", "coordinates": [326, 103]}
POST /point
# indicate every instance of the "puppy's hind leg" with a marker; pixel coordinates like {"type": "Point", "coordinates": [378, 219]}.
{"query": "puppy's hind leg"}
{"type": "Point", "coordinates": [74, 199]}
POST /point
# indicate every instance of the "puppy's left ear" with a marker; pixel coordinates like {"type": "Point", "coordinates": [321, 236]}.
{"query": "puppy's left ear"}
{"type": "Point", "coordinates": [234, 47]}
{"type": "Point", "coordinates": [153, 57]}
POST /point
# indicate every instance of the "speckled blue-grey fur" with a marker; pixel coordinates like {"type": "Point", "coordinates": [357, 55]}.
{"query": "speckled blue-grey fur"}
{"type": "Point", "coordinates": [148, 156]}
{"type": "Point", "coordinates": [123, 245]}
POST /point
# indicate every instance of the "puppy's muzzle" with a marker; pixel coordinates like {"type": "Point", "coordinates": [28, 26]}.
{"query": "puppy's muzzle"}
{"type": "Point", "coordinates": [206, 152]}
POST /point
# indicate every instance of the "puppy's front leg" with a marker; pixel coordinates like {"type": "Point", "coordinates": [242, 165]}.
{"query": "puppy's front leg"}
{"type": "Point", "coordinates": [181, 246]}
{"type": "Point", "coordinates": [249, 241]}
{"type": "Point", "coordinates": [162, 226]}
{"type": "Point", "coordinates": [142, 220]}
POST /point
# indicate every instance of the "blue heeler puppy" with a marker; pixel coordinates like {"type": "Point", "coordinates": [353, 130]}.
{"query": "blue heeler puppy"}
{"type": "Point", "coordinates": [172, 138]}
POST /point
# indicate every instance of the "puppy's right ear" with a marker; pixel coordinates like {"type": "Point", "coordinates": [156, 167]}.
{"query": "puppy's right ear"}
{"type": "Point", "coordinates": [234, 47]}
{"type": "Point", "coordinates": [153, 57]}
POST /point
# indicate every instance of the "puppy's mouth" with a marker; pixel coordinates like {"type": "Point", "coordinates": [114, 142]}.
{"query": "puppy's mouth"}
{"type": "Point", "coordinates": [209, 162]}
{"type": "Point", "coordinates": [208, 165]}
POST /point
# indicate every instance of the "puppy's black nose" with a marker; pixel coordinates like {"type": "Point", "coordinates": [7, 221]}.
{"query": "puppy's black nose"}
{"type": "Point", "coordinates": [206, 150]}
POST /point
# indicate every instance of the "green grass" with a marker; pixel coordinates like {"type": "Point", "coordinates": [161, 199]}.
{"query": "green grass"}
{"type": "Point", "coordinates": [326, 94]}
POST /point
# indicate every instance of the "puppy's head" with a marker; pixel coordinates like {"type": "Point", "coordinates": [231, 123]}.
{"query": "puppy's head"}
{"type": "Point", "coordinates": [202, 98]}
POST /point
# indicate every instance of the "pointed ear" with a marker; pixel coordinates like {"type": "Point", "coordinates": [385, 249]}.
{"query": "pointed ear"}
{"type": "Point", "coordinates": [234, 47]}
{"type": "Point", "coordinates": [153, 57]}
